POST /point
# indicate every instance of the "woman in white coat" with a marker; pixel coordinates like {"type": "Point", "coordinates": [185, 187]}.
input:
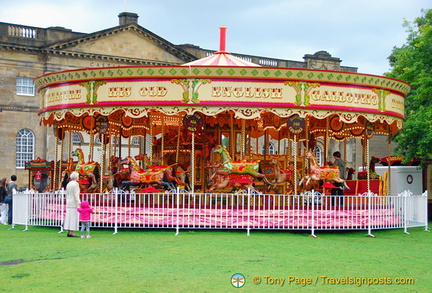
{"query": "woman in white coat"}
{"type": "Point", "coordinates": [71, 222]}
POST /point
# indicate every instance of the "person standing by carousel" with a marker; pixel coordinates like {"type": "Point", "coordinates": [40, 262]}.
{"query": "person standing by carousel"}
{"type": "Point", "coordinates": [3, 205]}
{"type": "Point", "coordinates": [338, 191]}
{"type": "Point", "coordinates": [12, 188]}
{"type": "Point", "coordinates": [71, 222]}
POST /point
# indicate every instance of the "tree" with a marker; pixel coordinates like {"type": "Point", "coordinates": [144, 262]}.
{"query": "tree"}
{"type": "Point", "coordinates": [413, 63]}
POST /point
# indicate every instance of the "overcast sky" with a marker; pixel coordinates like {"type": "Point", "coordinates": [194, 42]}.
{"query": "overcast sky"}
{"type": "Point", "coordinates": [361, 33]}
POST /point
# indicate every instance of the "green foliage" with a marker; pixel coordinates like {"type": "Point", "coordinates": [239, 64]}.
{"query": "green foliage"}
{"type": "Point", "coordinates": [413, 63]}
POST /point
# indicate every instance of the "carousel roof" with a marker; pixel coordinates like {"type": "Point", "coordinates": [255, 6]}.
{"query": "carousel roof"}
{"type": "Point", "coordinates": [221, 58]}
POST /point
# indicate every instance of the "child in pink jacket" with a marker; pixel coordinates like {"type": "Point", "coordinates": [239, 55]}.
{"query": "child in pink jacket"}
{"type": "Point", "coordinates": [85, 217]}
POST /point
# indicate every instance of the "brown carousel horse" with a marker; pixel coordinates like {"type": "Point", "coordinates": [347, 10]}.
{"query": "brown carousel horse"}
{"type": "Point", "coordinates": [282, 176]}
{"type": "Point", "coordinates": [162, 175]}
{"type": "Point", "coordinates": [89, 170]}
{"type": "Point", "coordinates": [316, 172]}
{"type": "Point", "coordinates": [372, 174]}
{"type": "Point", "coordinates": [119, 173]}
{"type": "Point", "coordinates": [228, 166]}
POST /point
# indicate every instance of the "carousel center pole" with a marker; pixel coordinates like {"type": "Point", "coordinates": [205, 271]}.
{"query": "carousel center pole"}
{"type": "Point", "coordinates": [150, 155]}
{"type": "Point", "coordinates": [56, 162]}
{"type": "Point", "coordinates": [243, 138]}
{"type": "Point", "coordinates": [61, 160]}
{"type": "Point", "coordinates": [368, 163]}
{"type": "Point", "coordinates": [193, 164]}
{"type": "Point", "coordinates": [102, 162]}
{"type": "Point", "coordinates": [389, 164]}
{"type": "Point", "coordinates": [162, 141]}
{"type": "Point", "coordinates": [295, 164]}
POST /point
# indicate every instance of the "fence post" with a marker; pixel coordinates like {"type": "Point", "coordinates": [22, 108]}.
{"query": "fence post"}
{"type": "Point", "coordinates": [425, 195]}
{"type": "Point", "coordinates": [27, 208]}
{"type": "Point", "coordinates": [248, 212]}
{"type": "Point", "coordinates": [178, 210]}
{"type": "Point", "coordinates": [369, 195]}
{"type": "Point", "coordinates": [62, 208]}
{"type": "Point", "coordinates": [405, 211]}
{"type": "Point", "coordinates": [313, 215]}
{"type": "Point", "coordinates": [116, 211]}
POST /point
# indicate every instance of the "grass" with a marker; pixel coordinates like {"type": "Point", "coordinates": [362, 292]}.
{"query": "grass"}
{"type": "Point", "coordinates": [42, 260]}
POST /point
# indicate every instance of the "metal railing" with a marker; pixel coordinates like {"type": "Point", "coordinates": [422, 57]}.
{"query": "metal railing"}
{"type": "Point", "coordinates": [307, 211]}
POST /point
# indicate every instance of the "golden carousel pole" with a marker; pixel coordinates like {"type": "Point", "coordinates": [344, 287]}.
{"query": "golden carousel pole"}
{"type": "Point", "coordinates": [162, 141]}
{"type": "Point", "coordinates": [70, 144]}
{"type": "Point", "coordinates": [193, 163]}
{"type": "Point", "coordinates": [389, 163]}
{"type": "Point", "coordinates": [232, 137]}
{"type": "Point", "coordinates": [56, 162]}
{"type": "Point", "coordinates": [243, 139]}
{"type": "Point", "coordinates": [91, 147]}
{"type": "Point", "coordinates": [109, 154]}
{"type": "Point", "coordinates": [368, 163]}
{"type": "Point", "coordinates": [129, 145]}
{"type": "Point", "coordinates": [114, 145]}
{"type": "Point", "coordinates": [178, 144]}
{"type": "Point", "coordinates": [295, 164]}
{"type": "Point", "coordinates": [326, 140]}
{"type": "Point", "coordinates": [61, 160]}
{"type": "Point", "coordinates": [150, 155]}
{"type": "Point", "coordinates": [102, 162]}
{"type": "Point", "coordinates": [307, 133]}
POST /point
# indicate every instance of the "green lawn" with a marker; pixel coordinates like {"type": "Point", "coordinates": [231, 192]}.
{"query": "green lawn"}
{"type": "Point", "coordinates": [42, 260]}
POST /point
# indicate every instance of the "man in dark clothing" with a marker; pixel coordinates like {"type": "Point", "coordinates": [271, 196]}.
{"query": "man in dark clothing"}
{"type": "Point", "coordinates": [339, 190]}
{"type": "Point", "coordinates": [12, 186]}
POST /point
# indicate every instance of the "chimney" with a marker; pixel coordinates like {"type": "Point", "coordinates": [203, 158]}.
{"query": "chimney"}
{"type": "Point", "coordinates": [127, 18]}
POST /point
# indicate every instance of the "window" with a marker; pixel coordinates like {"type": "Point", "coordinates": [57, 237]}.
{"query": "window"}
{"type": "Point", "coordinates": [271, 149]}
{"type": "Point", "coordinates": [24, 147]}
{"type": "Point", "coordinates": [76, 138]}
{"type": "Point", "coordinates": [25, 86]}
{"type": "Point", "coordinates": [136, 140]}
{"type": "Point", "coordinates": [318, 155]}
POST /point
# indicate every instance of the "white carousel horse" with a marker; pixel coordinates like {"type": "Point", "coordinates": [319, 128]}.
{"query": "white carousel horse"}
{"type": "Point", "coordinates": [316, 172]}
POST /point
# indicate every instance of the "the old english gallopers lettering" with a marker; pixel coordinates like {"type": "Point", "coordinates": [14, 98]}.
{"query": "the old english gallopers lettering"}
{"type": "Point", "coordinates": [153, 91]}
{"type": "Point", "coordinates": [246, 92]}
{"type": "Point", "coordinates": [66, 95]}
{"type": "Point", "coordinates": [344, 97]}
{"type": "Point", "coordinates": [119, 92]}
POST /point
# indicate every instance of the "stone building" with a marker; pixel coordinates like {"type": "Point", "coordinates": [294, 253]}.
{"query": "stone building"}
{"type": "Point", "coordinates": [28, 52]}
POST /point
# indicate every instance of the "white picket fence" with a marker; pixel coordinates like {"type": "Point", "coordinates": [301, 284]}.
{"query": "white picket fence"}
{"type": "Point", "coordinates": [309, 211]}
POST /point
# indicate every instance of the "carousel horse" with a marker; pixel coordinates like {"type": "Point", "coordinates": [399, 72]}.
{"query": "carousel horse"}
{"type": "Point", "coordinates": [372, 174]}
{"type": "Point", "coordinates": [350, 172]}
{"type": "Point", "coordinates": [144, 159]}
{"type": "Point", "coordinates": [89, 170]}
{"type": "Point", "coordinates": [119, 173]}
{"type": "Point", "coordinates": [162, 175]}
{"type": "Point", "coordinates": [66, 172]}
{"type": "Point", "coordinates": [331, 174]}
{"type": "Point", "coordinates": [228, 181]}
{"type": "Point", "coordinates": [228, 166]}
{"type": "Point", "coordinates": [281, 176]}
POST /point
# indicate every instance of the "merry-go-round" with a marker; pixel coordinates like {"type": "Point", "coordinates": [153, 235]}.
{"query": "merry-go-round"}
{"type": "Point", "coordinates": [203, 131]}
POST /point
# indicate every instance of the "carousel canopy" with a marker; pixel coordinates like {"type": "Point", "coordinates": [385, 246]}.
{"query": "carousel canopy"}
{"type": "Point", "coordinates": [225, 90]}
{"type": "Point", "coordinates": [220, 59]}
